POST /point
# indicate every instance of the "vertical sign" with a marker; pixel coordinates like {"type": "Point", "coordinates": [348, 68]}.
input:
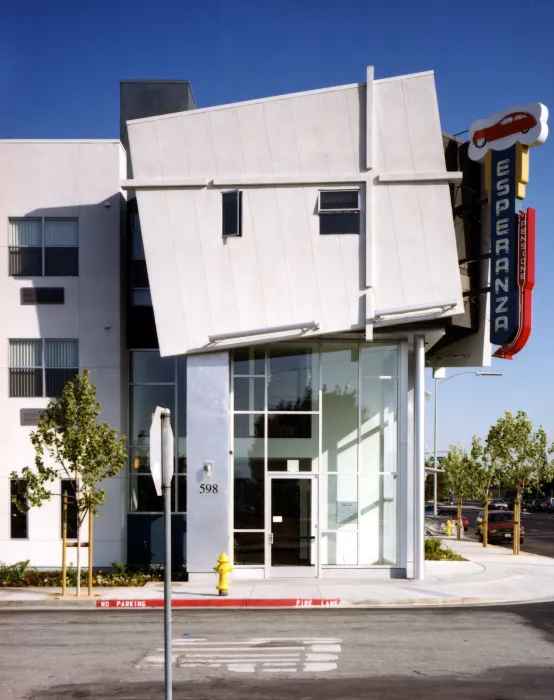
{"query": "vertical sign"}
{"type": "Point", "coordinates": [502, 141]}
{"type": "Point", "coordinates": [504, 289]}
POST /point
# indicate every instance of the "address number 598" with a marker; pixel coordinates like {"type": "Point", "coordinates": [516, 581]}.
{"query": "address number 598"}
{"type": "Point", "coordinates": [209, 488]}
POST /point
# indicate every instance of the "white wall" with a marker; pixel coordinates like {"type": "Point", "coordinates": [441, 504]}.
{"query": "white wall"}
{"type": "Point", "coordinates": [280, 152]}
{"type": "Point", "coordinates": [71, 179]}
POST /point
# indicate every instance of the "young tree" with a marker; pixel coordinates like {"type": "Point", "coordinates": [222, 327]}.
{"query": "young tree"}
{"type": "Point", "coordinates": [523, 457]}
{"type": "Point", "coordinates": [459, 477]}
{"type": "Point", "coordinates": [69, 442]}
{"type": "Point", "coordinates": [487, 473]}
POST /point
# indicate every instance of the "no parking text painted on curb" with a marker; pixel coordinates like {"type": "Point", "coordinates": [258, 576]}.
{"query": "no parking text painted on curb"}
{"type": "Point", "coordinates": [222, 603]}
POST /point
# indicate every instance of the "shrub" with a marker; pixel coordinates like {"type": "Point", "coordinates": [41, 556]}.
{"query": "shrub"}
{"type": "Point", "coordinates": [19, 574]}
{"type": "Point", "coordinates": [436, 551]}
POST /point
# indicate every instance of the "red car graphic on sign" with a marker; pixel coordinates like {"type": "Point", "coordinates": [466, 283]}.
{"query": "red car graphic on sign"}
{"type": "Point", "coordinates": [515, 123]}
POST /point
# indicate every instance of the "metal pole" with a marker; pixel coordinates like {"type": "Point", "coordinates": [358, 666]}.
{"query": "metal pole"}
{"type": "Point", "coordinates": [419, 459]}
{"type": "Point", "coordinates": [167, 459]}
{"type": "Point", "coordinates": [90, 516]}
{"type": "Point", "coordinates": [64, 544]}
{"type": "Point", "coordinates": [435, 475]}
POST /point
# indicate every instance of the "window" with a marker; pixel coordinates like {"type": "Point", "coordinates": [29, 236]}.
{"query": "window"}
{"type": "Point", "coordinates": [232, 213]}
{"type": "Point", "coordinates": [156, 381]}
{"type": "Point", "coordinates": [18, 519]}
{"type": "Point", "coordinates": [44, 247]}
{"type": "Point", "coordinates": [140, 286]}
{"type": "Point", "coordinates": [339, 212]}
{"type": "Point", "coordinates": [42, 295]}
{"type": "Point", "coordinates": [68, 486]}
{"type": "Point", "coordinates": [141, 297]}
{"type": "Point", "coordinates": [42, 367]}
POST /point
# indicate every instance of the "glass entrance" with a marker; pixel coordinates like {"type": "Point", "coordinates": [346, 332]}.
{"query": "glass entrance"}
{"type": "Point", "coordinates": [292, 529]}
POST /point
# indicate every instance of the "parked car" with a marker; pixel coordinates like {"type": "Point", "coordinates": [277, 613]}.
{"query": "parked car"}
{"type": "Point", "coordinates": [500, 526]}
{"type": "Point", "coordinates": [430, 510]}
{"type": "Point", "coordinates": [498, 504]}
{"type": "Point", "coordinates": [531, 505]}
{"type": "Point", "coordinates": [452, 513]}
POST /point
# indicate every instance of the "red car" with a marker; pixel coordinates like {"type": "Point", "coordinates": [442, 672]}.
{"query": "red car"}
{"type": "Point", "coordinates": [452, 513]}
{"type": "Point", "coordinates": [515, 123]}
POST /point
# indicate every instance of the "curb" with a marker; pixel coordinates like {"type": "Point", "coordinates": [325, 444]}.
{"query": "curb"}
{"type": "Point", "coordinates": [263, 603]}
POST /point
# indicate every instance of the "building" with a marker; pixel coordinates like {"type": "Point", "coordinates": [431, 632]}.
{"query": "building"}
{"type": "Point", "coordinates": [277, 273]}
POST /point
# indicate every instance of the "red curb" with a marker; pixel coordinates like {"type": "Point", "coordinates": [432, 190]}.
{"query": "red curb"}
{"type": "Point", "coordinates": [129, 603]}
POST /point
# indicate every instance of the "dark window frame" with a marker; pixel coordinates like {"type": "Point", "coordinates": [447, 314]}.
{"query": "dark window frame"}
{"type": "Point", "coordinates": [47, 374]}
{"type": "Point", "coordinates": [138, 471]}
{"type": "Point", "coordinates": [45, 250]}
{"type": "Point", "coordinates": [231, 227]}
{"type": "Point", "coordinates": [34, 296]}
{"type": "Point", "coordinates": [337, 219]}
{"type": "Point", "coordinates": [16, 514]}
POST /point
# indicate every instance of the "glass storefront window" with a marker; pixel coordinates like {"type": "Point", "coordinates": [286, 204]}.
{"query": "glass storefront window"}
{"type": "Point", "coordinates": [284, 395]}
{"type": "Point", "coordinates": [294, 447]}
{"type": "Point", "coordinates": [144, 399]}
{"type": "Point", "coordinates": [379, 441]}
{"type": "Point", "coordinates": [156, 381]}
{"type": "Point", "coordinates": [340, 369]}
{"type": "Point", "coordinates": [292, 382]}
{"type": "Point", "coordinates": [249, 548]}
{"type": "Point", "coordinates": [249, 393]}
{"type": "Point", "coordinates": [144, 498]}
{"type": "Point", "coordinates": [249, 361]}
{"type": "Point", "coordinates": [148, 367]}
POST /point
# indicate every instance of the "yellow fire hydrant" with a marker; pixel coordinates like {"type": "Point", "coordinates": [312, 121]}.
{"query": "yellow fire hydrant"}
{"type": "Point", "coordinates": [223, 569]}
{"type": "Point", "coordinates": [448, 528]}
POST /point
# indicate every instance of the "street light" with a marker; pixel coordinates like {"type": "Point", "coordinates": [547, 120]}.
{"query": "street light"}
{"type": "Point", "coordinates": [439, 381]}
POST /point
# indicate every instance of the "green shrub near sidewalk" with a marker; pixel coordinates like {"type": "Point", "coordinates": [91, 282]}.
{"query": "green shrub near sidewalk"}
{"type": "Point", "coordinates": [436, 551]}
{"type": "Point", "coordinates": [20, 574]}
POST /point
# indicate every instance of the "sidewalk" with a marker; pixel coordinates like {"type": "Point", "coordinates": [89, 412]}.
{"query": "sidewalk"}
{"type": "Point", "coordinates": [490, 576]}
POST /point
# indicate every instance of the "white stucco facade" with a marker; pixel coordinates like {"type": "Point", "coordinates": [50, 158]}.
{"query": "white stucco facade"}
{"type": "Point", "coordinates": [59, 180]}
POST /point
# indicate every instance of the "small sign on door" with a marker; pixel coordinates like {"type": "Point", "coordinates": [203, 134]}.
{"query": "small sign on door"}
{"type": "Point", "coordinates": [277, 518]}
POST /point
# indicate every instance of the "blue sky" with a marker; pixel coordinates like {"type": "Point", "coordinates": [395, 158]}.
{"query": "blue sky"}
{"type": "Point", "coordinates": [61, 62]}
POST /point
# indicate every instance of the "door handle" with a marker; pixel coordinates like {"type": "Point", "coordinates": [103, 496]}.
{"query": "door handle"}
{"type": "Point", "coordinates": [270, 538]}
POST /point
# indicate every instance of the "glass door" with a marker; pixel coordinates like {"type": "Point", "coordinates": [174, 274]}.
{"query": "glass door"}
{"type": "Point", "coordinates": [292, 530]}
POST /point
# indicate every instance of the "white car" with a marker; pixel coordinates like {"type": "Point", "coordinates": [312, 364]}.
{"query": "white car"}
{"type": "Point", "coordinates": [498, 504]}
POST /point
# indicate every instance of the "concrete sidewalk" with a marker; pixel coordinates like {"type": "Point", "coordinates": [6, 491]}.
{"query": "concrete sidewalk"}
{"type": "Point", "coordinates": [490, 576]}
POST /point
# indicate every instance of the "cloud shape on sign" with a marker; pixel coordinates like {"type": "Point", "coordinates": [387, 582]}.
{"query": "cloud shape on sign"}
{"type": "Point", "coordinates": [488, 132]}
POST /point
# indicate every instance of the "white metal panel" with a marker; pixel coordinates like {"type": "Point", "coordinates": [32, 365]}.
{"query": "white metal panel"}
{"type": "Point", "coordinates": [146, 158]}
{"type": "Point", "coordinates": [272, 257]}
{"type": "Point", "coordinates": [193, 289]}
{"type": "Point", "coordinates": [422, 112]}
{"type": "Point", "coordinates": [226, 142]}
{"type": "Point", "coordinates": [217, 264]}
{"type": "Point", "coordinates": [441, 252]}
{"type": "Point", "coordinates": [356, 100]}
{"type": "Point", "coordinates": [392, 124]}
{"type": "Point", "coordinates": [337, 132]}
{"type": "Point", "coordinates": [199, 144]}
{"type": "Point", "coordinates": [369, 148]}
{"type": "Point", "coordinates": [282, 137]}
{"type": "Point", "coordinates": [297, 237]}
{"type": "Point", "coordinates": [254, 140]}
{"type": "Point", "coordinates": [173, 150]}
{"type": "Point", "coordinates": [247, 281]}
{"type": "Point", "coordinates": [412, 252]}
{"type": "Point", "coordinates": [330, 272]}
{"type": "Point", "coordinates": [309, 134]}
{"type": "Point", "coordinates": [162, 270]}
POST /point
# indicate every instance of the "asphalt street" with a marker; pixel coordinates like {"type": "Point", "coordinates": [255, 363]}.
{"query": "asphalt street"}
{"type": "Point", "coordinates": [496, 653]}
{"type": "Point", "coordinates": [539, 531]}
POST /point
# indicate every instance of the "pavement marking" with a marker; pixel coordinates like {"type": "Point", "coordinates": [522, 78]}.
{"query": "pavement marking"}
{"type": "Point", "coordinates": [283, 655]}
